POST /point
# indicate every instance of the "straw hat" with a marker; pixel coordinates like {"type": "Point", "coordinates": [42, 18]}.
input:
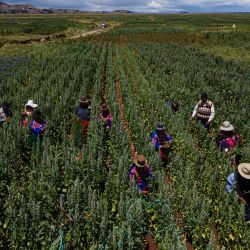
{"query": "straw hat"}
{"type": "Point", "coordinates": [244, 170]}
{"type": "Point", "coordinates": [31, 104]}
{"type": "Point", "coordinates": [226, 126]}
{"type": "Point", "coordinates": [160, 126]}
{"type": "Point", "coordinates": [83, 100]}
{"type": "Point", "coordinates": [140, 161]}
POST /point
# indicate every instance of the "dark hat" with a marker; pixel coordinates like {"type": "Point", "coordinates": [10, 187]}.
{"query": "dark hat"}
{"type": "Point", "coordinates": [105, 106]}
{"type": "Point", "coordinates": [160, 126]}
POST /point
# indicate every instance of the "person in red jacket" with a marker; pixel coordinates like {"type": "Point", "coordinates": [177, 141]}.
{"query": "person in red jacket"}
{"type": "Point", "coordinates": [106, 118]}
{"type": "Point", "coordinates": [30, 107]}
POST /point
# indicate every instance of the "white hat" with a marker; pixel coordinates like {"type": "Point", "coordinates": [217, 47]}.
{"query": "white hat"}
{"type": "Point", "coordinates": [227, 126]}
{"type": "Point", "coordinates": [244, 170]}
{"type": "Point", "coordinates": [31, 104]}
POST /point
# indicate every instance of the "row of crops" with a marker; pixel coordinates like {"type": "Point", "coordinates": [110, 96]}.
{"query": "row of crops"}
{"type": "Point", "coordinates": [61, 194]}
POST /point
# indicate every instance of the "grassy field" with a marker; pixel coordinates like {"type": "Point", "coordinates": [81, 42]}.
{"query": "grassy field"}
{"type": "Point", "coordinates": [73, 191]}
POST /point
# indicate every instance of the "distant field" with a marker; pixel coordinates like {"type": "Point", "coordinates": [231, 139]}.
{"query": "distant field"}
{"type": "Point", "coordinates": [73, 191]}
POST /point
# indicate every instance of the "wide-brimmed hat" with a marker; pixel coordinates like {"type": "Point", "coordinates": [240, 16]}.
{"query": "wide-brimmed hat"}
{"type": "Point", "coordinates": [31, 104]}
{"type": "Point", "coordinates": [160, 126]}
{"type": "Point", "coordinates": [244, 170]}
{"type": "Point", "coordinates": [227, 126]}
{"type": "Point", "coordinates": [83, 100]}
{"type": "Point", "coordinates": [140, 161]}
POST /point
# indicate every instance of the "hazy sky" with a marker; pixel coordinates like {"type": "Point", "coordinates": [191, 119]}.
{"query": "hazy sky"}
{"type": "Point", "coordinates": [144, 5]}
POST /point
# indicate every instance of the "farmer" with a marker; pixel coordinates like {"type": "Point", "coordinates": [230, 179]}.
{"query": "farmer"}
{"type": "Point", "coordinates": [30, 107]}
{"type": "Point", "coordinates": [204, 111]}
{"type": "Point", "coordinates": [37, 126]}
{"type": "Point", "coordinates": [83, 114]}
{"type": "Point", "coordinates": [106, 118]}
{"type": "Point", "coordinates": [5, 113]}
{"type": "Point", "coordinates": [227, 139]}
{"type": "Point", "coordinates": [141, 173]}
{"type": "Point", "coordinates": [162, 142]}
{"type": "Point", "coordinates": [241, 179]}
{"type": "Point", "coordinates": [174, 105]}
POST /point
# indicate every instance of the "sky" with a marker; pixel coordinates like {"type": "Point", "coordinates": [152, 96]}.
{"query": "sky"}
{"type": "Point", "coordinates": [154, 6]}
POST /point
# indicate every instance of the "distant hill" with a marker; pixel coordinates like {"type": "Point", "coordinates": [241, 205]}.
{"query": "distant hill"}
{"type": "Point", "coordinates": [30, 9]}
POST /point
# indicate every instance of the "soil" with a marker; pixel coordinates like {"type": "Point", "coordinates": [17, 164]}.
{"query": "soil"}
{"type": "Point", "coordinates": [123, 118]}
{"type": "Point", "coordinates": [150, 243]}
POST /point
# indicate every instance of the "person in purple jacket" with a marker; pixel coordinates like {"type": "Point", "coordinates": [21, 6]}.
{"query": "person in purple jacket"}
{"type": "Point", "coordinates": [37, 126]}
{"type": "Point", "coordinates": [162, 142]}
{"type": "Point", "coordinates": [141, 173]}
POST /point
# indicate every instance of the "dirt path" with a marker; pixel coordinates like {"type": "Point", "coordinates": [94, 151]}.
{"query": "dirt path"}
{"type": "Point", "coordinates": [122, 114]}
{"type": "Point", "coordinates": [92, 32]}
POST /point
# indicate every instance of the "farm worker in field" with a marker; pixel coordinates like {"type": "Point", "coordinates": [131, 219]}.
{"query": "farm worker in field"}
{"type": "Point", "coordinates": [5, 113]}
{"type": "Point", "coordinates": [241, 179]}
{"type": "Point", "coordinates": [37, 126]}
{"type": "Point", "coordinates": [106, 118]}
{"type": "Point", "coordinates": [204, 111]}
{"type": "Point", "coordinates": [83, 114]}
{"type": "Point", "coordinates": [227, 139]}
{"type": "Point", "coordinates": [141, 173]}
{"type": "Point", "coordinates": [162, 142]}
{"type": "Point", "coordinates": [30, 107]}
{"type": "Point", "coordinates": [174, 105]}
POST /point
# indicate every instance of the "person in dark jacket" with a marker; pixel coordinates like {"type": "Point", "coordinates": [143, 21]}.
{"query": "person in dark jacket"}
{"type": "Point", "coordinates": [204, 111]}
{"type": "Point", "coordinates": [227, 139]}
{"type": "Point", "coordinates": [241, 179]}
{"type": "Point", "coordinates": [174, 105]}
{"type": "Point", "coordinates": [5, 113]}
{"type": "Point", "coordinates": [83, 114]}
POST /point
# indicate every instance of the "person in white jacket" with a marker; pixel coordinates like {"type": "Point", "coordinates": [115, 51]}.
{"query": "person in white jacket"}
{"type": "Point", "coordinates": [204, 111]}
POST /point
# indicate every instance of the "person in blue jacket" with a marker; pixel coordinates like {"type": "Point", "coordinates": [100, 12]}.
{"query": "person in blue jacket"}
{"type": "Point", "coordinates": [162, 142]}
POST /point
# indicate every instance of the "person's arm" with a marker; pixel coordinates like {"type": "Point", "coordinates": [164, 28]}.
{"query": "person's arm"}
{"type": "Point", "coordinates": [212, 114]}
{"type": "Point", "coordinates": [132, 174]}
{"type": "Point", "coordinates": [231, 181]}
{"type": "Point", "coordinates": [195, 110]}
{"type": "Point", "coordinates": [154, 141]}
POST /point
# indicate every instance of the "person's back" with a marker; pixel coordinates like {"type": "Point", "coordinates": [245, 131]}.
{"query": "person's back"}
{"type": "Point", "coordinates": [227, 139]}
{"type": "Point", "coordinates": [140, 172]}
{"type": "Point", "coordinates": [106, 117]}
{"type": "Point", "coordinates": [37, 126]}
{"type": "Point", "coordinates": [5, 113]}
{"type": "Point", "coordinates": [83, 114]}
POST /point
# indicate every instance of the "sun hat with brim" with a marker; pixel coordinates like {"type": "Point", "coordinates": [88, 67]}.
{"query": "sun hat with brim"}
{"type": "Point", "coordinates": [227, 126]}
{"type": "Point", "coordinates": [160, 126]}
{"type": "Point", "coordinates": [140, 161]}
{"type": "Point", "coordinates": [31, 104]}
{"type": "Point", "coordinates": [83, 100]}
{"type": "Point", "coordinates": [244, 170]}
